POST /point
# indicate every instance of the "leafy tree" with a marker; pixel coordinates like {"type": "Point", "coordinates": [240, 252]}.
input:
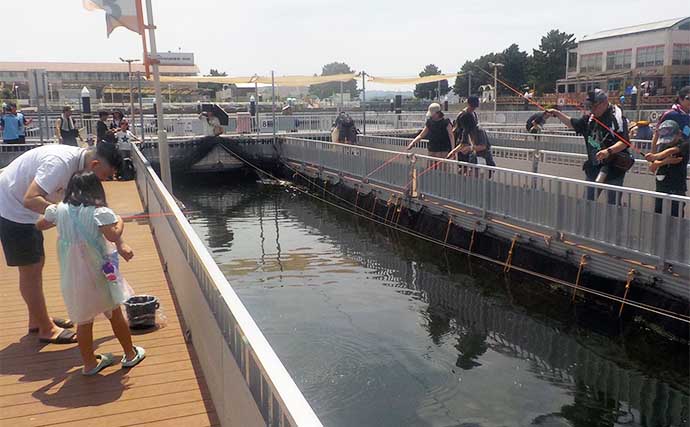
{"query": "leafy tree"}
{"type": "Point", "coordinates": [548, 62]}
{"type": "Point", "coordinates": [479, 78]}
{"type": "Point", "coordinates": [430, 90]}
{"type": "Point", "coordinates": [516, 68]}
{"type": "Point", "coordinates": [324, 90]}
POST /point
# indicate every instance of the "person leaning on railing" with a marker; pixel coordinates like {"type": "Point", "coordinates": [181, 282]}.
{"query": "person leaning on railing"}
{"type": "Point", "coordinates": [670, 164]}
{"type": "Point", "coordinates": [608, 158]}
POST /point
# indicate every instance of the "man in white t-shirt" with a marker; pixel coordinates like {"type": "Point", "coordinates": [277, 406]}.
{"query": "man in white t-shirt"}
{"type": "Point", "coordinates": [32, 182]}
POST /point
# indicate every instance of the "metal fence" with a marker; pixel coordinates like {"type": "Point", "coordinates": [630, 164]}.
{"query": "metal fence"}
{"type": "Point", "coordinates": [609, 215]}
{"type": "Point", "coordinates": [230, 346]}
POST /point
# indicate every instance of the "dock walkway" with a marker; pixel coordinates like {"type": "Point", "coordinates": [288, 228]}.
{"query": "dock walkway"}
{"type": "Point", "coordinates": [41, 385]}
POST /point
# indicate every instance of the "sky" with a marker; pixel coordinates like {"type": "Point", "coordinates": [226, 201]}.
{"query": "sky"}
{"type": "Point", "coordinates": [384, 38]}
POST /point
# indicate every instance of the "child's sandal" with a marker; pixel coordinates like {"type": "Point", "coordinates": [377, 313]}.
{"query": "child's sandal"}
{"type": "Point", "coordinates": [104, 360]}
{"type": "Point", "coordinates": [141, 354]}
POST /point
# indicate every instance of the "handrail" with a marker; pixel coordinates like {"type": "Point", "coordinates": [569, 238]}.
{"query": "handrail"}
{"type": "Point", "coordinates": [293, 405]}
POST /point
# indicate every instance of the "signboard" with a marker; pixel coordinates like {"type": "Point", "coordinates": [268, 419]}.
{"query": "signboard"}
{"type": "Point", "coordinates": [561, 101]}
{"type": "Point", "coordinates": [176, 58]}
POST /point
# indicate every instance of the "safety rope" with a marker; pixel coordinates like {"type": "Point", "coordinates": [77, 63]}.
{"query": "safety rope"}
{"type": "Point", "coordinates": [583, 263]}
{"type": "Point", "coordinates": [373, 206]}
{"type": "Point", "coordinates": [631, 276]}
{"type": "Point", "coordinates": [509, 259]}
{"type": "Point", "coordinates": [450, 222]}
{"type": "Point", "coordinates": [474, 230]}
{"type": "Point", "coordinates": [378, 220]}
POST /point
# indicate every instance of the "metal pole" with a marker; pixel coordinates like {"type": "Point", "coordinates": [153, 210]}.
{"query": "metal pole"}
{"type": "Point", "coordinates": [469, 84]}
{"type": "Point", "coordinates": [256, 94]}
{"type": "Point", "coordinates": [141, 107]}
{"type": "Point", "coordinates": [45, 100]}
{"type": "Point", "coordinates": [438, 91]}
{"type": "Point", "coordinates": [131, 100]}
{"type": "Point", "coordinates": [273, 104]}
{"type": "Point", "coordinates": [495, 90]}
{"type": "Point", "coordinates": [162, 136]}
{"type": "Point", "coordinates": [364, 103]}
{"type": "Point", "coordinates": [342, 100]}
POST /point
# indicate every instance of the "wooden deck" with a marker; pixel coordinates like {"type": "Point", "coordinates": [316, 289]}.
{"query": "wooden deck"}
{"type": "Point", "coordinates": [41, 385]}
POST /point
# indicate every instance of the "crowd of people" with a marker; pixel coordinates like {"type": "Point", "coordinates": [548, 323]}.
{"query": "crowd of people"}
{"type": "Point", "coordinates": [605, 131]}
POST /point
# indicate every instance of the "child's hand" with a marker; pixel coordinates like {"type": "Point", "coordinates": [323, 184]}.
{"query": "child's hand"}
{"type": "Point", "coordinates": [125, 251]}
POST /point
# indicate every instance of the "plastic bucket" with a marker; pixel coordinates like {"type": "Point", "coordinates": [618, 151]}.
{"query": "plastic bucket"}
{"type": "Point", "coordinates": [141, 311]}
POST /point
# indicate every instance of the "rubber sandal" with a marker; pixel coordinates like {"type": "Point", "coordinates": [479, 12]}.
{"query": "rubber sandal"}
{"type": "Point", "coordinates": [64, 337]}
{"type": "Point", "coordinates": [104, 361]}
{"type": "Point", "coordinates": [60, 323]}
{"type": "Point", "coordinates": [141, 355]}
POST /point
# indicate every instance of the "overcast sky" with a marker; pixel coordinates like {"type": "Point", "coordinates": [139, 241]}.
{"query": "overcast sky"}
{"type": "Point", "coordinates": [385, 38]}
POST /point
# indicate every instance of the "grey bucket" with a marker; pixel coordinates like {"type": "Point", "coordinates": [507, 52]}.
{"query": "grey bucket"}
{"type": "Point", "coordinates": [141, 311]}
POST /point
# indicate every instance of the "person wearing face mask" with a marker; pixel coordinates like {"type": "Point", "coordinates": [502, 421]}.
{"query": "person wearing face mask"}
{"type": "Point", "coordinates": [608, 158]}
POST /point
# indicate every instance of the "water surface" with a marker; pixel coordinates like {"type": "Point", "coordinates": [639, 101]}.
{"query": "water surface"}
{"type": "Point", "coordinates": [378, 329]}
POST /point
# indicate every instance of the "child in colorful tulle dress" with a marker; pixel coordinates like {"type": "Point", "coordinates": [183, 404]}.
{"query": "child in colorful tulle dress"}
{"type": "Point", "coordinates": [89, 240]}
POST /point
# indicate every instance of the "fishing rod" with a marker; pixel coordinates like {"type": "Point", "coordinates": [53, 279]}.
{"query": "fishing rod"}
{"type": "Point", "coordinates": [384, 222]}
{"type": "Point", "coordinates": [129, 217]}
{"type": "Point", "coordinates": [593, 117]}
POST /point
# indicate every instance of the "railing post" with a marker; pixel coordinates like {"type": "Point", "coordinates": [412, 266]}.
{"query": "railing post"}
{"type": "Point", "coordinates": [485, 197]}
{"type": "Point", "coordinates": [663, 216]}
{"type": "Point", "coordinates": [557, 221]}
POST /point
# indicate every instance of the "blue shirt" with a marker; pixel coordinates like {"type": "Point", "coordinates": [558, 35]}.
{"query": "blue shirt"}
{"type": "Point", "coordinates": [10, 124]}
{"type": "Point", "coordinates": [22, 126]}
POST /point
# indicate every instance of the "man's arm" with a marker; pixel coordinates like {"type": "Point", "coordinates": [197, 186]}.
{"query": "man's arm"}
{"type": "Point", "coordinates": [58, 135]}
{"type": "Point", "coordinates": [449, 128]}
{"type": "Point", "coordinates": [35, 198]}
{"type": "Point", "coordinates": [565, 119]}
{"type": "Point", "coordinates": [419, 137]}
{"type": "Point", "coordinates": [651, 157]}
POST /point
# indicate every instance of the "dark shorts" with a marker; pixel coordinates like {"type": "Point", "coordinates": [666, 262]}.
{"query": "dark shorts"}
{"type": "Point", "coordinates": [22, 243]}
{"type": "Point", "coordinates": [12, 141]}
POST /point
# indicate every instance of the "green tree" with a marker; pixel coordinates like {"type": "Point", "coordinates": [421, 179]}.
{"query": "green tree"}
{"type": "Point", "coordinates": [548, 62]}
{"type": "Point", "coordinates": [430, 90]}
{"type": "Point", "coordinates": [516, 68]}
{"type": "Point", "coordinates": [479, 78]}
{"type": "Point", "coordinates": [324, 90]}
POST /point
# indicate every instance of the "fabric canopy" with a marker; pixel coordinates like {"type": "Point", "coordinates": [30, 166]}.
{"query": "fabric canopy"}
{"type": "Point", "coordinates": [307, 80]}
{"type": "Point", "coordinates": [207, 79]}
{"type": "Point", "coordinates": [412, 80]}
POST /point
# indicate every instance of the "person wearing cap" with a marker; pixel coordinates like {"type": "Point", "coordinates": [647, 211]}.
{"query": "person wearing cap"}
{"type": "Point", "coordinates": [65, 130]}
{"type": "Point", "coordinates": [11, 124]}
{"type": "Point", "coordinates": [670, 164]}
{"type": "Point", "coordinates": [439, 132]}
{"type": "Point", "coordinates": [679, 113]}
{"type": "Point", "coordinates": [608, 158]}
{"type": "Point", "coordinates": [465, 130]}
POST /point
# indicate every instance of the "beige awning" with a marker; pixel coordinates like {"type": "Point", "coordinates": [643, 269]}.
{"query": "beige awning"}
{"type": "Point", "coordinates": [412, 80]}
{"type": "Point", "coordinates": [207, 79]}
{"type": "Point", "coordinates": [306, 80]}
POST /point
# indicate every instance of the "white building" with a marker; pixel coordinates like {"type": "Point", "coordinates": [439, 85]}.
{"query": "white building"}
{"type": "Point", "coordinates": [657, 53]}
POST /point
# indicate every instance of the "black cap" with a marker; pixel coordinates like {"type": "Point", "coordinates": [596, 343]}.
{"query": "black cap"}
{"type": "Point", "coordinates": [596, 96]}
{"type": "Point", "coordinates": [473, 101]}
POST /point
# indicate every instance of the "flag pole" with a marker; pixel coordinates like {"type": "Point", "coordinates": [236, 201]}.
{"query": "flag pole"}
{"type": "Point", "coordinates": [162, 136]}
{"type": "Point", "coordinates": [142, 31]}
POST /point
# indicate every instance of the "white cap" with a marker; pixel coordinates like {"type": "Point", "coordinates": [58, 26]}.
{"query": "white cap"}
{"type": "Point", "coordinates": [433, 108]}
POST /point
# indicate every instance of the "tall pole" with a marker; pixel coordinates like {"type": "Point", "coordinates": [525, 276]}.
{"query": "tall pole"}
{"type": "Point", "coordinates": [256, 94]}
{"type": "Point", "coordinates": [131, 98]}
{"type": "Point", "coordinates": [438, 91]}
{"type": "Point", "coordinates": [496, 66]}
{"type": "Point", "coordinates": [162, 136]}
{"type": "Point", "coordinates": [141, 107]}
{"type": "Point", "coordinates": [342, 99]}
{"type": "Point", "coordinates": [364, 103]}
{"type": "Point", "coordinates": [273, 104]}
{"type": "Point", "coordinates": [469, 84]}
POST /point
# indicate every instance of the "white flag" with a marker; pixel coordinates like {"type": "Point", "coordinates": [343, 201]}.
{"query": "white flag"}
{"type": "Point", "coordinates": [118, 13]}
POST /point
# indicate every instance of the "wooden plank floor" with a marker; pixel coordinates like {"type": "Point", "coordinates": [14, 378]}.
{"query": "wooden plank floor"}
{"type": "Point", "coordinates": [41, 385]}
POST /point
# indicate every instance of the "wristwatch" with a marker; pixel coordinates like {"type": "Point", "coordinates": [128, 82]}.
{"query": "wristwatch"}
{"type": "Point", "coordinates": [608, 150]}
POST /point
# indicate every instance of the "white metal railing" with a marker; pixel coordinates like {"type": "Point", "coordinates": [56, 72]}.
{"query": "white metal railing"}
{"type": "Point", "coordinates": [622, 217]}
{"type": "Point", "coordinates": [276, 396]}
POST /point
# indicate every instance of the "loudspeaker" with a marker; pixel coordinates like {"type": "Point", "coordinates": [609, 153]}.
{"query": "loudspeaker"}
{"type": "Point", "coordinates": [398, 104]}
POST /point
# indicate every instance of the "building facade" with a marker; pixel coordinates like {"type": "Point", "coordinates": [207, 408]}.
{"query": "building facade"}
{"type": "Point", "coordinates": [654, 57]}
{"type": "Point", "coordinates": [106, 81]}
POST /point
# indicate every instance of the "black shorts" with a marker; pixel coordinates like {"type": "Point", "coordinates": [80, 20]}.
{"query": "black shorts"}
{"type": "Point", "coordinates": [12, 141]}
{"type": "Point", "coordinates": [22, 243]}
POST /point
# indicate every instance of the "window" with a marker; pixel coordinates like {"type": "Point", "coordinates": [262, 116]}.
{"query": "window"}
{"type": "Point", "coordinates": [572, 62]}
{"type": "Point", "coordinates": [650, 56]}
{"type": "Point", "coordinates": [561, 88]}
{"type": "Point", "coordinates": [590, 62]}
{"type": "Point", "coordinates": [681, 54]}
{"type": "Point", "coordinates": [571, 88]}
{"type": "Point", "coordinates": [618, 59]}
{"type": "Point", "coordinates": [614, 84]}
{"type": "Point", "coordinates": [679, 81]}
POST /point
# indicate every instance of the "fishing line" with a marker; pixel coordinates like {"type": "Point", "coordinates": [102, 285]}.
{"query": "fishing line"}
{"type": "Point", "coordinates": [378, 220]}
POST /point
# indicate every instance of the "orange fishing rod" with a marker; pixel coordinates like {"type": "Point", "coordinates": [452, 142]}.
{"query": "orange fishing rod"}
{"type": "Point", "coordinates": [531, 101]}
